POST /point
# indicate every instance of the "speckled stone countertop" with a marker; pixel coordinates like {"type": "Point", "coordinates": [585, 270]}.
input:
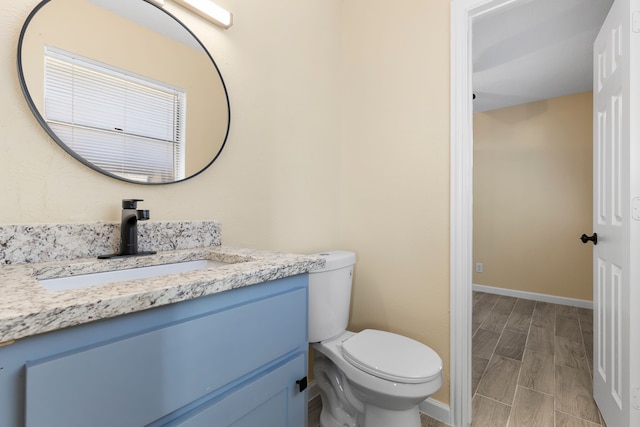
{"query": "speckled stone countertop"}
{"type": "Point", "coordinates": [32, 253]}
{"type": "Point", "coordinates": [27, 308]}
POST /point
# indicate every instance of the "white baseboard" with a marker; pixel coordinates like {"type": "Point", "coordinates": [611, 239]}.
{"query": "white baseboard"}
{"type": "Point", "coordinates": [573, 302]}
{"type": "Point", "coordinates": [437, 410]}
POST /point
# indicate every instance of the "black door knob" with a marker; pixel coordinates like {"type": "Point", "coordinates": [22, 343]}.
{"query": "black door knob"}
{"type": "Point", "coordinates": [593, 238]}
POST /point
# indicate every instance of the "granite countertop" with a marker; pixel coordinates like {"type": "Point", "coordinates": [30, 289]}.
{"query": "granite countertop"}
{"type": "Point", "coordinates": [27, 308]}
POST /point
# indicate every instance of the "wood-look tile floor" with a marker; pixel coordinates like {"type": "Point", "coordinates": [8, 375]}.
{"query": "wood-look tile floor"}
{"type": "Point", "coordinates": [531, 364]}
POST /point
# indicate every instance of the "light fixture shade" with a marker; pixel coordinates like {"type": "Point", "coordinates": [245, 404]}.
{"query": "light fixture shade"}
{"type": "Point", "coordinates": [209, 10]}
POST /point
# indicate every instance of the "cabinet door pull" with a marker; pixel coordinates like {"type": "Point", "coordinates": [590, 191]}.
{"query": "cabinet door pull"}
{"type": "Point", "coordinates": [302, 383]}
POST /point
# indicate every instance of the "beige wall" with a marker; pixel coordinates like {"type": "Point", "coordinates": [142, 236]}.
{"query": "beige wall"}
{"type": "Point", "coordinates": [395, 167]}
{"type": "Point", "coordinates": [263, 188]}
{"type": "Point", "coordinates": [339, 139]}
{"type": "Point", "coordinates": [533, 197]}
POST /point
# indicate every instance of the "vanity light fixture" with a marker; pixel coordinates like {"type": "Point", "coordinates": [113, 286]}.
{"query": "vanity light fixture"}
{"type": "Point", "coordinates": [210, 11]}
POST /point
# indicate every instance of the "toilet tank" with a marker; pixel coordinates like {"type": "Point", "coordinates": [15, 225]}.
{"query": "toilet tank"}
{"type": "Point", "coordinates": [330, 295]}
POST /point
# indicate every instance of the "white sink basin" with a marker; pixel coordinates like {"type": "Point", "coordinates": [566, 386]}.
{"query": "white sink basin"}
{"type": "Point", "coordinates": [97, 279]}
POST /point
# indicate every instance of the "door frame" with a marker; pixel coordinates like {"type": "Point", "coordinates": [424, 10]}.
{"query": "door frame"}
{"type": "Point", "coordinates": [461, 202]}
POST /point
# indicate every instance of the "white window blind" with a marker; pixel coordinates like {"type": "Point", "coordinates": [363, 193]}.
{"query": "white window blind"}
{"type": "Point", "coordinates": [123, 123]}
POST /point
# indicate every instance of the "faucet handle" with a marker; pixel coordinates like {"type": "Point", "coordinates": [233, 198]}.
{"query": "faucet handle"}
{"type": "Point", "coordinates": [130, 203]}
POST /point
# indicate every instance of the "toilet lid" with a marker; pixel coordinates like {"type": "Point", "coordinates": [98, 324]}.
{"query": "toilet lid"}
{"type": "Point", "coordinates": [392, 357]}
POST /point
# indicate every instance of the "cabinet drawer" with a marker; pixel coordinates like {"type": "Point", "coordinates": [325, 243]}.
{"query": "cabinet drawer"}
{"type": "Point", "coordinates": [133, 381]}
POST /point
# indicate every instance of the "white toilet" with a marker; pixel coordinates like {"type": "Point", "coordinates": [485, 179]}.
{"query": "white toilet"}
{"type": "Point", "coordinates": [366, 379]}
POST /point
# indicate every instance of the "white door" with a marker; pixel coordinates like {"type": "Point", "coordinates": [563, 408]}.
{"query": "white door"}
{"type": "Point", "coordinates": [616, 217]}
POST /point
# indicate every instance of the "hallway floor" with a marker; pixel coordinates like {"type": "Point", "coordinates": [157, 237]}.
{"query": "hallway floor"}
{"type": "Point", "coordinates": [532, 365]}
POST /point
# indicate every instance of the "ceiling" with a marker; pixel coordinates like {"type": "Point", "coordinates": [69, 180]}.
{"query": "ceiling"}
{"type": "Point", "coordinates": [534, 50]}
{"type": "Point", "coordinates": [149, 16]}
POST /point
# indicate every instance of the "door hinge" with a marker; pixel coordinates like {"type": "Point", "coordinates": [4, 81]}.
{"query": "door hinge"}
{"type": "Point", "coordinates": [635, 208]}
{"type": "Point", "coordinates": [635, 21]}
{"type": "Point", "coordinates": [635, 397]}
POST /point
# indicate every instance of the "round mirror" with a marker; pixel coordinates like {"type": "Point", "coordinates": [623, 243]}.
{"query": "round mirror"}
{"type": "Point", "coordinates": [124, 87]}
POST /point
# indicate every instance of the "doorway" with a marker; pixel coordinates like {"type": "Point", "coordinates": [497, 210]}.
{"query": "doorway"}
{"type": "Point", "coordinates": [463, 13]}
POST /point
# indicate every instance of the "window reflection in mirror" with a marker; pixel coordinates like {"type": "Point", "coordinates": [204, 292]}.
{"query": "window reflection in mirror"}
{"type": "Point", "coordinates": [140, 40]}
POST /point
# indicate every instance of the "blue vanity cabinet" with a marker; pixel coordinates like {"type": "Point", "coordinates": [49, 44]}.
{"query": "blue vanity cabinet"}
{"type": "Point", "coordinates": [231, 358]}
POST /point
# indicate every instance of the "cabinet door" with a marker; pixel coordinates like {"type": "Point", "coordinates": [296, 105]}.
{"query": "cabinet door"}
{"type": "Point", "coordinates": [273, 399]}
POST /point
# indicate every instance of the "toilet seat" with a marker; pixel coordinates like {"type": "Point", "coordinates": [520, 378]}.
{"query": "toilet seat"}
{"type": "Point", "coordinates": [392, 357]}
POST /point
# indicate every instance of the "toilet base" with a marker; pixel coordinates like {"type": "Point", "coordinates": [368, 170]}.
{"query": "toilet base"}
{"type": "Point", "coordinates": [341, 406]}
{"type": "Point", "coordinates": [375, 416]}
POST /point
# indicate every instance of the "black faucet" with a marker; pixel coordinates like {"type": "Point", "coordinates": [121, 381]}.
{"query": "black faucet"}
{"type": "Point", "coordinates": [129, 229]}
{"type": "Point", "coordinates": [129, 226]}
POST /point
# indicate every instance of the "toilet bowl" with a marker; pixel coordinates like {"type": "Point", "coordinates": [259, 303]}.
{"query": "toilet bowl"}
{"type": "Point", "coordinates": [370, 378]}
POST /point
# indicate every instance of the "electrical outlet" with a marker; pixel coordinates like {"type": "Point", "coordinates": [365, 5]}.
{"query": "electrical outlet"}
{"type": "Point", "coordinates": [479, 267]}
